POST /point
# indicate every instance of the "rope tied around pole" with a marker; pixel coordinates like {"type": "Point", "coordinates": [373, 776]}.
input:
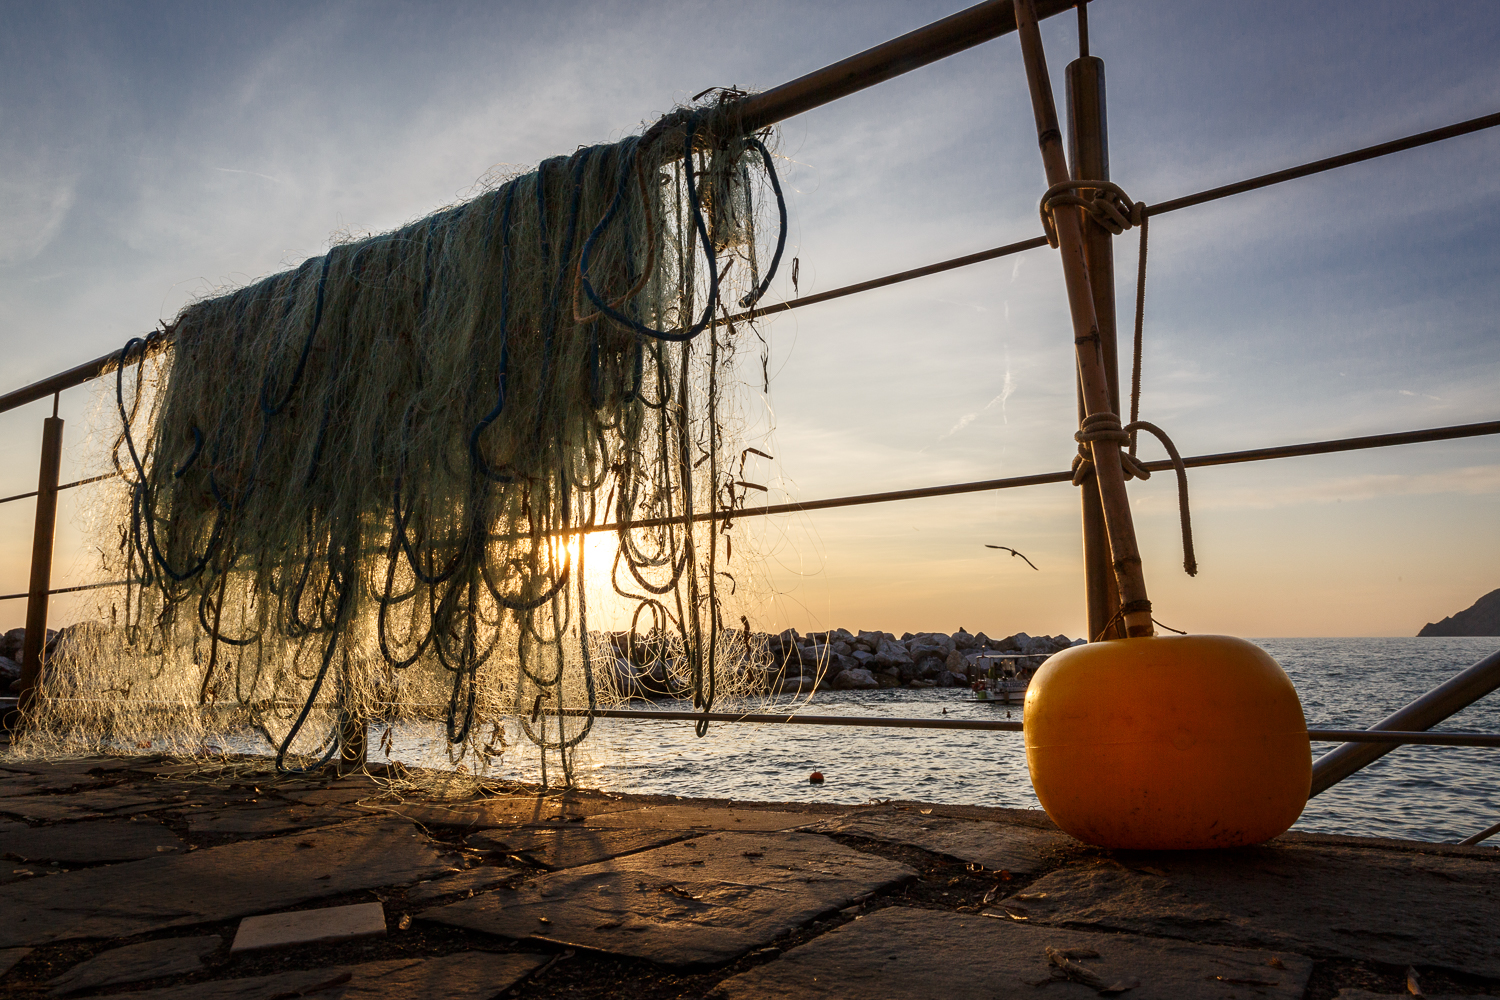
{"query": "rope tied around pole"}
{"type": "Point", "coordinates": [1105, 426]}
{"type": "Point", "coordinates": [1105, 202]}
{"type": "Point", "coordinates": [1109, 205]}
{"type": "Point", "coordinates": [1128, 608]}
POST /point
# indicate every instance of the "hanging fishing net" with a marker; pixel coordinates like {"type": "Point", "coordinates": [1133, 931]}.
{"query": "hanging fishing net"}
{"type": "Point", "coordinates": [357, 490]}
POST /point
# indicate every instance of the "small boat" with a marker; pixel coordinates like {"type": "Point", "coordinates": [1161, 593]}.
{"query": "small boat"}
{"type": "Point", "coordinates": [1004, 676]}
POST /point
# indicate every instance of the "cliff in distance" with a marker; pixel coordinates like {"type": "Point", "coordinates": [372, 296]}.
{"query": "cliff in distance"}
{"type": "Point", "coordinates": [1481, 619]}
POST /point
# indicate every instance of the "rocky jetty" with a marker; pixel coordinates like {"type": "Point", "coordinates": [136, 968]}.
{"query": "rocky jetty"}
{"type": "Point", "coordinates": [845, 660]}
{"type": "Point", "coordinates": [791, 663]}
{"type": "Point", "coordinates": [12, 644]}
{"type": "Point", "coordinates": [1482, 618]}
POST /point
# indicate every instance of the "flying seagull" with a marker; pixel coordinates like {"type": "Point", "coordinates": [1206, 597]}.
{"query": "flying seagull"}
{"type": "Point", "coordinates": [1013, 552]}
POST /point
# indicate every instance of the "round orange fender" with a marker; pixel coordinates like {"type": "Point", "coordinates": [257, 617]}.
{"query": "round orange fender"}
{"type": "Point", "coordinates": [1167, 742]}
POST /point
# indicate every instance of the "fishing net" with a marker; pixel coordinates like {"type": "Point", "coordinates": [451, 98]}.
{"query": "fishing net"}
{"type": "Point", "coordinates": [357, 490]}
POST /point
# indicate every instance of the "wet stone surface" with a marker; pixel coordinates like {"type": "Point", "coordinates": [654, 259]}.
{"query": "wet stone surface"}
{"type": "Point", "coordinates": [9, 957]}
{"type": "Point", "coordinates": [699, 901]}
{"type": "Point", "coordinates": [695, 817]}
{"type": "Point", "coordinates": [915, 954]}
{"type": "Point", "coordinates": [1400, 907]}
{"type": "Point", "coordinates": [458, 883]}
{"type": "Point", "coordinates": [1014, 848]}
{"type": "Point", "coordinates": [263, 819]}
{"type": "Point", "coordinates": [514, 810]}
{"type": "Point", "coordinates": [93, 803]}
{"type": "Point", "coordinates": [570, 846]}
{"type": "Point", "coordinates": [89, 842]}
{"type": "Point", "coordinates": [215, 884]}
{"type": "Point", "coordinates": [136, 962]}
{"type": "Point", "coordinates": [469, 976]}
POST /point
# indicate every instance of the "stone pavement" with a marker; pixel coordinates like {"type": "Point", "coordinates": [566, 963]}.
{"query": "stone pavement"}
{"type": "Point", "coordinates": [130, 877]}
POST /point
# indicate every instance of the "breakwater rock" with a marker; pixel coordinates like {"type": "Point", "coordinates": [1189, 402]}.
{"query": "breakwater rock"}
{"type": "Point", "coordinates": [845, 660]}
{"type": "Point", "coordinates": [793, 663]}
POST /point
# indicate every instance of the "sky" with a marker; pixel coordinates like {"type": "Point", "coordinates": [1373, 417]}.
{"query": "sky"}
{"type": "Point", "coordinates": [152, 153]}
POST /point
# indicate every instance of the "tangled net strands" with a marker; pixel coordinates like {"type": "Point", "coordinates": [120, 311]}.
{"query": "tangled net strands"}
{"type": "Point", "coordinates": [357, 490]}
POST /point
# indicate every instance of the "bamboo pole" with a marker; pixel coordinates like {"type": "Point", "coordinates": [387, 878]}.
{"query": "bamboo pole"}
{"type": "Point", "coordinates": [1092, 377]}
{"type": "Point", "coordinates": [1088, 150]}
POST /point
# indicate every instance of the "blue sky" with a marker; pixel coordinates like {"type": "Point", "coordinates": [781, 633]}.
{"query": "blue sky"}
{"type": "Point", "coordinates": [151, 153]}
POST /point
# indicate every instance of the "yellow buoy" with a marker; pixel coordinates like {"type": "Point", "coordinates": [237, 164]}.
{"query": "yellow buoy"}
{"type": "Point", "coordinates": [1169, 742]}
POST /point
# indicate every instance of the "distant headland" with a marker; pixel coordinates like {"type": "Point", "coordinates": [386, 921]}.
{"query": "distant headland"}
{"type": "Point", "coordinates": [1483, 618]}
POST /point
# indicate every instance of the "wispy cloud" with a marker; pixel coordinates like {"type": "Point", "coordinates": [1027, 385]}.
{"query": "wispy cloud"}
{"type": "Point", "coordinates": [31, 213]}
{"type": "Point", "coordinates": [252, 173]}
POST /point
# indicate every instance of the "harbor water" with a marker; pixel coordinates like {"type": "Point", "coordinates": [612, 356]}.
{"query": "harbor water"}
{"type": "Point", "coordinates": [1423, 793]}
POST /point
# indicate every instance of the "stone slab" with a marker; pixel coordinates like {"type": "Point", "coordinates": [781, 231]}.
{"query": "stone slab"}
{"type": "Point", "coordinates": [571, 845]}
{"type": "Point", "coordinates": [322, 926]}
{"type": "Point", "coordinates": [120, 800]}
{"type": "Point", "coordinates": [691, 817]}
{"type": "Point", "coordinates": [10, 956]}
{"type": "Point", "coordinates": [507, 810]}
{"type": "Point", "coordinates": [75, 766]}
{"type": "Point", "coordinates": [697, 901]}
{"type": "Point", "coordinates": [936, 955]}
{"type": "Point", "coordinates": [259, 820]}
{"type": "Point", "coordinates": [93, 842]}
{"type": "Point", "coordinates": [1021, 850]}
{"type": "Point", "coordinates": [136, 962]}
{"type": "Point", "coordinates": [464, 883]}
{"type": "Point", "coordinates": [11, 789]}
{"type": "Point", "coordinates": [51, 781]}
{"type": "Point", "coordinates": [218, 883]}
{"type": "Point", "coordinates": [1398, 907]}
{"type": "Point", "coordinates": [340, 794]}
{"type": "Point", "coordinates": [471, 975]}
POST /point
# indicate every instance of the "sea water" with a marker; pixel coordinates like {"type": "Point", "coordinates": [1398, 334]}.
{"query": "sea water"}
{"type": "Point", "coordinates": [1428, 793]}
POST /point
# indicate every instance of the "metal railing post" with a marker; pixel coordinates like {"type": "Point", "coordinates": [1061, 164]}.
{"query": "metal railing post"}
{"type": "Point", "coordinates": [1453, 695]}
{"type": "Point", "coordinates": [41, 555]}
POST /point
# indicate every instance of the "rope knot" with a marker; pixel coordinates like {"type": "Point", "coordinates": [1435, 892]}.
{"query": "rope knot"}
{"type": "Point", "coordinates": [1106, 203]}
{"type": "Point", "coordinates": [1105, 426]}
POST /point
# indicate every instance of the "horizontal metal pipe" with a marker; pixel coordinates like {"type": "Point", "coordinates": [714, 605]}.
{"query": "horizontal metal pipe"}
{"type": "Point", "coordinates": [1453, 695]}
{"type": "Point", "coordinates": [892, 279]}
{"type": "Point", "coordinates": [985, 485]}
{"type": "Point", "coordinates": [793, 720]}
{"type": "Point", "coordinates": [1007, 726]}
{"type": "Point", "coordinates": [1392, 738]}
{"type": "Point", "coordinates": [68, 590]}
{"type": "Point", "coordinates": [64, 486]}
{"type": "Point", "coordinates": [1454, 432]}
{"type": "Point", "coordinates": [1329, 163]}
{"type": "Point", "coordinates": [53, 384]}
{"type": "Point", "coordinates": [953, 34]}
{"type": "Point", "coordinates": [1366, 736]}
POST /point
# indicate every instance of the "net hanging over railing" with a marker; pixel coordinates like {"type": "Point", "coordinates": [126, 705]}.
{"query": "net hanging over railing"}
{"type": "Point", "coordinates": [356, 489]}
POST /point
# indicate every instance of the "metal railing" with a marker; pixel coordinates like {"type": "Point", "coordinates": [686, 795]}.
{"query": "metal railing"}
{"type": "Point", "coordinates": [967, 28]}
